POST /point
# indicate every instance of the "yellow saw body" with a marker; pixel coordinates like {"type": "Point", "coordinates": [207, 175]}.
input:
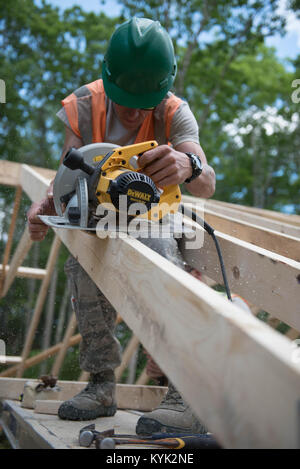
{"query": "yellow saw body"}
{"type": "Point", "coordinates": [117, 163]}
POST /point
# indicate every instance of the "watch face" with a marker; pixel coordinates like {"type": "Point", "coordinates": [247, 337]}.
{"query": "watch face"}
{"type": "Point", "coordinates": [198, 162]}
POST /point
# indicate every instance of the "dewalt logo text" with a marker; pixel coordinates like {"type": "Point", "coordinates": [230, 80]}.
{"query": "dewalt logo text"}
{"type": "Point", "coordinates": [139, 195]}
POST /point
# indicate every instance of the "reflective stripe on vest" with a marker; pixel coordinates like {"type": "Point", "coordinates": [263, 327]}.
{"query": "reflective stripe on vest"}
{"type": "Point", "coordinates": [86, 112]}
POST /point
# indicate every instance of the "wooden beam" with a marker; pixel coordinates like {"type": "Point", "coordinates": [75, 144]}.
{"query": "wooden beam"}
{"type": "Point", "coordinates": [143, 378]}
{"type": "Point", "coordinates": [10, 234]}
{"type": "Point", "coordinates": [9, 173]}
{"type": "Point", "coordinates": [143, 398]}
{"type": "Point", "coordinates": [38, 191]}
{"type": "Point", "coordinates": [27, 272]}
{"type": "Point", "coordinates": [8, 360]}
{"type": "Point", "coordinates": [282, 244]}
{"type": "Point", "coordinates": [262, 212]}
{"type": "Point", "coordinates": [18, 257]}
{"type": "Point", "coordinates": [40, 357]}
{"type": "Point", "coordinates": [194, 335]}
{"type": "Point", "coordinates": [274, 225]}
{"type": "Point", "coordinates": [202, 329]}
{"type": "Point", "coordinates": [260, 276]}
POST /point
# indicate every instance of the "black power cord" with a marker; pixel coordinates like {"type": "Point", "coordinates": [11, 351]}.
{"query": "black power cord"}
{"type": "Point", "coordinates": [195, 217]}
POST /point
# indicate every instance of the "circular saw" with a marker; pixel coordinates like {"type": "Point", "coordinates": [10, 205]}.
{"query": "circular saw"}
{"type": "Point", "coordinates": [106, 176]}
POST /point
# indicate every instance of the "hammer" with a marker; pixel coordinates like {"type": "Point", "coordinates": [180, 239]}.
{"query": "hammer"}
{"type": "Point", "coordinates": [196, 441]}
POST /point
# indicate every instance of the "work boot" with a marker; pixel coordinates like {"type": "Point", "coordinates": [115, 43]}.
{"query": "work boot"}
{"type": "Point", "coordinates": [97, 399]}
{"type": "Point", "coordinates": [173, 415]}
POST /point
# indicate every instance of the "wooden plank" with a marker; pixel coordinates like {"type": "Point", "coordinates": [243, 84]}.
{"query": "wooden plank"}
{"type": "Point", "coordinates": [25, 432]}
{"type": "Point", "coordinates": [9, 173]}
{"type": "Point", "coordinates": [10, 234]}
{"type": "Point", "coordinates": [212, 335]}
{"type": "Point", "coordinates": [274, 225]}
{"type": "Point", "coordinates": [142, 398]}
{"type": "Point", "coordinates": [27, 272]}
{"type": "Point", "coordinates": [196, 335]}
{"type": "Point", "coordinates": [262, 212]}
{"type": "Point", "coordinates": [143, 378]}
{"type": "Point", "coordinates": [7, 360]}
{"type": "Point", "coordinates": [29, 430]}
{"type": "Point", "coordinates": [18, 257]}
{"type": "Point", "coordinates": [262, 277]}
{"type": "Point", "coordinates": [282, 244]}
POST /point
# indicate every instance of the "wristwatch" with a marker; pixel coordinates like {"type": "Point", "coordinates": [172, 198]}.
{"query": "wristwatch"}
{"type": "Point", "coordinates": [197, 167]}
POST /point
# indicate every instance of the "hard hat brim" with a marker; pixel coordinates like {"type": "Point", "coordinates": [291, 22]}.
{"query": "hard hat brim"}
{"type": "Point", "coordinates": [137, 101]}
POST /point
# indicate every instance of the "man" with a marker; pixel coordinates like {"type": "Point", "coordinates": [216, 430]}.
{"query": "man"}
{"type": "Point", "coordinates": [130, 105]}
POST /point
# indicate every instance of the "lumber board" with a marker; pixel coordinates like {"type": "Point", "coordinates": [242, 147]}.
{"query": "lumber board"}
{"type": "Point", "coordinates": [265, 213]}
{"type": "Point", "coordinates": [34, 192]}
{"type": "Point", "coordinates": [285, 245]}
{"type": "Point", "coordinates": [211, 335]}
{"type": "Point", "coordinates": [8, 359]}
{"type": "Point", "coordinates": [27, 272]}
{"type": "Point", "coordinates": [134, 397]}
{"type": "Point", "coordinates": [29, 430]}
{"type": "Point", "coordinates": [9, 173]}
{"type": "Point", "coordinates": [239, 215]}
{"type": "Point", "coordinates": [264, 278]}
{"type": "Point", "coordinates": [217, 355]}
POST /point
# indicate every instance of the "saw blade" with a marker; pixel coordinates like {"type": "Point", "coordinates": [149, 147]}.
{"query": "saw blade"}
{"type": "Point", "coordinates": [65, 179]}
{"type": "Point", "coordinates": [83, 201]}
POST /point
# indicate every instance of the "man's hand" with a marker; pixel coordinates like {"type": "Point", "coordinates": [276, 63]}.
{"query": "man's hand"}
{"type": "Point", "coordinates": [37, 228]}
{"type": "Point", "coordinates": [165, 165]}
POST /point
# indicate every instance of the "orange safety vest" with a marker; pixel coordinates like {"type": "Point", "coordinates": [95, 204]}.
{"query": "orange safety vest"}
{"type": "Point", "coordinates": [86, 112]}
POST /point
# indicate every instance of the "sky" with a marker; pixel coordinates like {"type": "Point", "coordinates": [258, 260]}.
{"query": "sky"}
{"type": "Point", "coordinates": [287, 47]}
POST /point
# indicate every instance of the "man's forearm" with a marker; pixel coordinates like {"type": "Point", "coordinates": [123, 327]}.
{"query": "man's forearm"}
{"type": "Point", "coordinates": [205, 184]}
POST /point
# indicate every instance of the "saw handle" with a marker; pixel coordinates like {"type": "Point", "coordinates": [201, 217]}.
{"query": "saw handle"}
{"type": "Point", "coordinates": [74, 160]}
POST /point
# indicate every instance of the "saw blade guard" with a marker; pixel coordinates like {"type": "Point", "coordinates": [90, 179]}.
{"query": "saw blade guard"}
{"type": "Point", "coordinates": [66, 179]}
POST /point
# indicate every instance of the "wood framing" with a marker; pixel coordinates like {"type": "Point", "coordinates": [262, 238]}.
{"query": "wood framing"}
{"type": "Point", "coordinates": [239, 215]}
{"type": "Point", "coordinates": [262, 277]}
{"type": "Point", "coordinates": [221, 359]}
{"type": "Point", "coordinates": [27, 272]}
{"type": "Point", "coordinates": [235, 371]}
{"type": "Point", "coordinates": [18, 257]}
{"type": "Point", "coordinates": [282, 244]}
{"type": "Point", "coordinates": [262, 212]}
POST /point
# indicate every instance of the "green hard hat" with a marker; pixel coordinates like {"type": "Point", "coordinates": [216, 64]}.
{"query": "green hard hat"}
{"type": "Point", "coordinates": [139, 66]}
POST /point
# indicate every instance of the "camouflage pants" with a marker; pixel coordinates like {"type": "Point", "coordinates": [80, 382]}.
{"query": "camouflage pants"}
{"type": "Point", "coordinates": [99, 348]}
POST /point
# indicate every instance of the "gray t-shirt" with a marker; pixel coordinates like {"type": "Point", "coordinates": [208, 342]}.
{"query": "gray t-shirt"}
{"type": "Point", "coordinates": [184, 127]}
